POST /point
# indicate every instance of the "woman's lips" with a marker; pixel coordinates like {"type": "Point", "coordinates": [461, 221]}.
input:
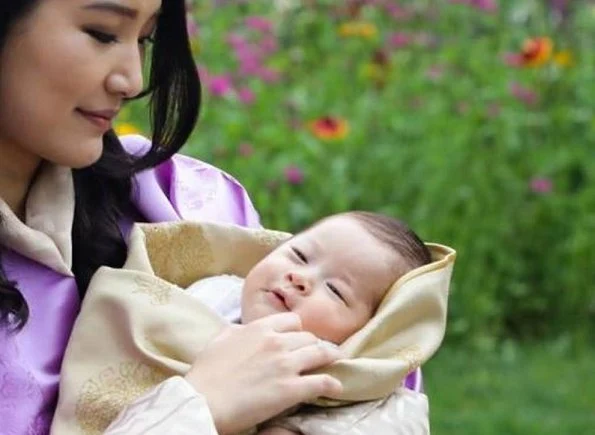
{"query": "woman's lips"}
{"type": "Point", "coordinates": [102, 120]}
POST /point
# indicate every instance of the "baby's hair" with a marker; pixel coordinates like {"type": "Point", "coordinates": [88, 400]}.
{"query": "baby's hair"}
{"type": "Point", "coordinates": [396, 235]}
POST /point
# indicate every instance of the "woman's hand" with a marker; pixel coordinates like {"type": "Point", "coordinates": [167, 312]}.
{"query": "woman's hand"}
{"type": "Point", "coordinates": [249, 373]}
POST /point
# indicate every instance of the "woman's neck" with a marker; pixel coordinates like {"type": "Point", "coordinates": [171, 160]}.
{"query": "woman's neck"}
{"type": "Point", "coordinates": [17, 171]}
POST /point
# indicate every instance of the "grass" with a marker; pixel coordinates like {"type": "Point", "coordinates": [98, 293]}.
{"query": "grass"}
{"type": "Point", "coordinates": [536, 389]}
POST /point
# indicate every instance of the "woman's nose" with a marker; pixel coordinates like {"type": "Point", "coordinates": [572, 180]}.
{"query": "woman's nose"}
{"type": "Point", "coordinates": [300, 282]}
{"type": "Point", "coordinates": [126, 79]}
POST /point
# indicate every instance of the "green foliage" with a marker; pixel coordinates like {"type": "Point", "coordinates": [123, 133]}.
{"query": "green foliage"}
{"type": "Point", "coordinates": [531, 389]}
{"type": "Point", "coordinates": [436, 137]}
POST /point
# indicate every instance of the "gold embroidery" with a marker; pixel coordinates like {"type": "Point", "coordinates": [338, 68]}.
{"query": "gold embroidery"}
{"type": "Point", "coordinates": [270, 238]}
{"type": "Point", "coordinates": [103, 397]}
{"type": "Point", "coordinates": [159, 292]}
{"type": "Point", "coordinates": [178, 252]}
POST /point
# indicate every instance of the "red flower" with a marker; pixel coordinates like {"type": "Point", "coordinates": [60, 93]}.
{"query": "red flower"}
{"type": "Point", "coordinates": [329, 128]}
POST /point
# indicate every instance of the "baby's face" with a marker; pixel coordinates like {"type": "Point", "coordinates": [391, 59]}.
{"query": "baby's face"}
{"type": "Point", "coordinates": [332, 275]}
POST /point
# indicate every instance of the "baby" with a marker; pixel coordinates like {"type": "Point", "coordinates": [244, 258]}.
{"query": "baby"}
{"type": "Point", "coordinates": [333, 275]}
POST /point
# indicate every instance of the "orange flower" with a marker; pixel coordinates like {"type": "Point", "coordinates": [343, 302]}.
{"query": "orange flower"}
{"type": "Point", "coordinates": [329, 128]}
{"type": "Point", "coordinates": [536, 51]}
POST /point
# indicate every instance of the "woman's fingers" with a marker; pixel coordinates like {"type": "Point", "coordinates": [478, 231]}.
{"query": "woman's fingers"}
{"type": "Point", "coordinates": [314, 356]}
{"type": "Point", "coordinates": [280, 322]}
{"type": "Point", "coordinates": [309, 387]}
{"type": "Point", "coordinates": [296, 340]}
{"type": "Point", "coordinates": [251, 372]}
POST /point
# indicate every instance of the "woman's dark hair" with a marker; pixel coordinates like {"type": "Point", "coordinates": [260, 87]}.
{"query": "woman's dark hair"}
{"type": "Point", "coordinates": [103, 190]}
{"type": "Point", "coordinates": [396, 235]}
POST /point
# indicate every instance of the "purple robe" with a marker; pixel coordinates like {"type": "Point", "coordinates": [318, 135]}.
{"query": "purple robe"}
{"type": "Point", "coordinates": [181, 188]}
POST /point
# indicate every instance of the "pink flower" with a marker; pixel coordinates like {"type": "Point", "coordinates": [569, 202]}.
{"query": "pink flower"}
{"type": "Point", "coordinates": [268, 75]}
{"type": "Point", "coordinates": [236, 41]}
{"type": "Point", "coordinates": [260, 24]}
{"type": "Point", "coordinates": [398, 12]}
{"type": "Point", "coordinates": [399, 39]}
{"type": "Point", "coordinates": [523, 94]}
{"type": "Point", "coordinates": [513, 59]}
{"type": "Point", "coordinates": [435, 72]}
{"type": "Point", "coordinates": [191, 26]}
{"type": "Point", "coordinates": [486, 5]}
{"type": "Point", "coordinates": [269, 45]}
{"type": "Point", "coordinates": [245, 149]}
{"type": "Point", "coordinates": [219, 86]}
{"type": "Point", "coordinates": [203, 73]}
{"type": "Point", "coordinates": [246, 96]}
{"type": "Point", "coordinates": [541, 185]}
{"type": "Point", "coordinates": [294, 175]}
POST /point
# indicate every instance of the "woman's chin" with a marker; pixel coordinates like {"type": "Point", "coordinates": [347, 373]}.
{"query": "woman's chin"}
{"type": "Point", "coordinates": [84, 155]}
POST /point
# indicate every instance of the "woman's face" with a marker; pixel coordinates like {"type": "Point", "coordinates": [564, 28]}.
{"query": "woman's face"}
{"type": "Point", "coordinates": [65, 70]}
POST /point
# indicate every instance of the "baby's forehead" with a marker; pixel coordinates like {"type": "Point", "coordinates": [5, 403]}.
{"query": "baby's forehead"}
{"type": "Point", "coordinates": [370, 265]}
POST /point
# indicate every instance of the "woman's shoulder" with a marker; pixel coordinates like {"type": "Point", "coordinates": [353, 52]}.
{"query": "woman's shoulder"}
{"type": "Point", "coordinates": [183, 187]}
{"type": "Point", "coordinates": [137, 145]}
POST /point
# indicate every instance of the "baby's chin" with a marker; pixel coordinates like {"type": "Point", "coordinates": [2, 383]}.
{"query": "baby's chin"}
{"type": "Point", "coordinates": [250, 314]}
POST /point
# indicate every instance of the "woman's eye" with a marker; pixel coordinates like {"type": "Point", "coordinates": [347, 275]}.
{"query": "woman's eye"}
{"type": "Point", "coordinates": [299, 254]}
{"type": "Point", "coordinates": [102, 37]}
{"type": "Point", "coordinates": [337, 293]}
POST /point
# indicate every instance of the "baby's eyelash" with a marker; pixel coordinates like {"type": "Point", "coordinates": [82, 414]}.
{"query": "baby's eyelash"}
{"type": "Point", "coordinates": [335, 291]}
{"type": "Point", "coordinates": [300, 255]}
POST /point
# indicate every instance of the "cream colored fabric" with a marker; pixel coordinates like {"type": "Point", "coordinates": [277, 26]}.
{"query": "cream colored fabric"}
{"type": "Point", "coordinates": [172, 408]}
{"type": "Point", "coordinates": [45, 236]}
{"type": "Point", "coordinates": [138, 327]}
{"type": "Point", "coordinates": [404, 412]}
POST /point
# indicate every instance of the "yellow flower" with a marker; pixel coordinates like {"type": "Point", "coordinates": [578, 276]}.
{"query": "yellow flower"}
{"type": "Point", "coordinates": [373, 72]}
{"type": "Point", "coordinates": [125, 128]}
{"type": "Point", "coordinates": [195, 46]}
{"type": "Point", "coordinates": [378, 69]}
{"type": "Point", "coordinates": [362, 29]}
{"type": "Point", "coordinates": [564, 58]}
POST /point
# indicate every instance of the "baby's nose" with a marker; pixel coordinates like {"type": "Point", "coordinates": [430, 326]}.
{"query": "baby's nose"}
{"type": "Point", "coordinates": [299, 281]}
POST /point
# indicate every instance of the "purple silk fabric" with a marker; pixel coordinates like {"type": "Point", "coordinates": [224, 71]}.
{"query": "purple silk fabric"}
{"type": "Point", "coordinates": [181, 188]}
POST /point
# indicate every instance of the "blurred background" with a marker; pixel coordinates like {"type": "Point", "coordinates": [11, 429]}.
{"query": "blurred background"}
{"type": "Point", "coordinates": [471, 120]}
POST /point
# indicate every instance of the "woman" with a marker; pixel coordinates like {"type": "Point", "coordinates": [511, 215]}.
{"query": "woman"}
{"type": "Point", "coordinates": [70, 190]}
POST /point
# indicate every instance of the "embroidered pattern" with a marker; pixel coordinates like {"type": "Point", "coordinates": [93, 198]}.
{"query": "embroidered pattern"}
{"type": "Point", "coordinates": [270, 238]}
{"type": "Point", "coordinates": [175, 262]}
{"type": "Point", "coordinates": [159, 292]}
{"type": "Point", "coordinates": [18, 386]}
{"type": "Point", "coordinates": [103, 397]}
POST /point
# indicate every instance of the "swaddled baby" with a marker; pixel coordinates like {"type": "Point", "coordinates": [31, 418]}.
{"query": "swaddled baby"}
{"type": "Point", "coordinates": [333, 275]}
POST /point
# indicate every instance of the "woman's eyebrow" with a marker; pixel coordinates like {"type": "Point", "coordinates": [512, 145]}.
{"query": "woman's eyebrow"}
{"type": "Point", "coordinates": [115, 8]}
